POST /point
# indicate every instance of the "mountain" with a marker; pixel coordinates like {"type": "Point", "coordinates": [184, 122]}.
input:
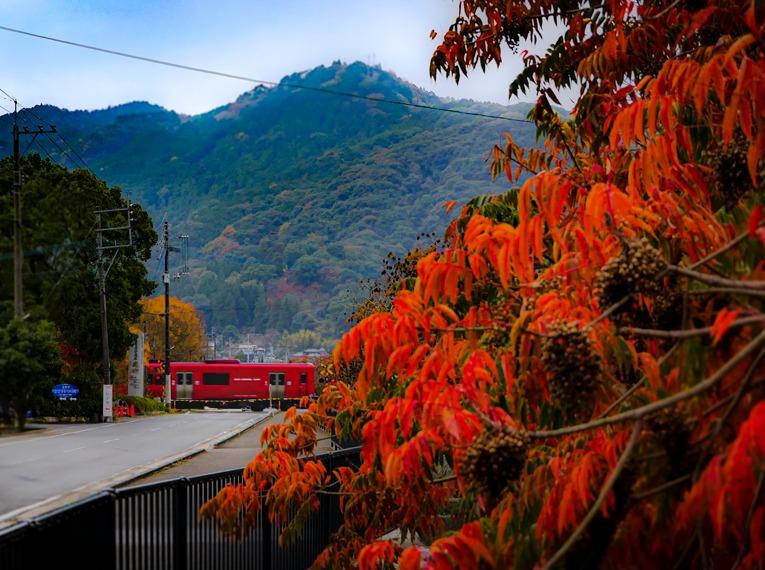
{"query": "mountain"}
{"type": "Point", "coordinates": [290, 196]}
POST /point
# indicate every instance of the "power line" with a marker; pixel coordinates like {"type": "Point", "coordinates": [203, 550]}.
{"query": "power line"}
{"type": "Point", "coordinates": [45, 150]}
{"type": "Point", "coordinates": [261, 81]}
{"type": "Point", "coordinates": [61, 151]}
{"type": "Point", "coordinates": [61, 136]}
{"type": "Point", "coordinates": [7, 95]}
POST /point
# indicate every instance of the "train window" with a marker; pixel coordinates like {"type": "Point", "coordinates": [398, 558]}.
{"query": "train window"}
{"type": "Point", "coordinates": [182, 378]}
{"type": "Point", "coordinates": [303, 378]}
{"type": "Point", "coordinates": [276, 378]}
{"type": "Point", "coordinates": [215, 378]}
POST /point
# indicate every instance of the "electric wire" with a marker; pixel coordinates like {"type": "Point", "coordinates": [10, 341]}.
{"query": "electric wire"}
{"type": "Point", "coordinates": [260, 81]}
{"type": "Point", "coordinates": [61, 136]}
{"type": "Point", "coordinates": [7, 95]}
{"type": "Point", "coordinates": [61, 151]}
{"type": "Point", "coordinates": [41, 120]}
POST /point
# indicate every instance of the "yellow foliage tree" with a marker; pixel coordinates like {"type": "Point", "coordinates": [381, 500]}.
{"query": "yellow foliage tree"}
{"type": "Point", "coordinates": [187, 332]}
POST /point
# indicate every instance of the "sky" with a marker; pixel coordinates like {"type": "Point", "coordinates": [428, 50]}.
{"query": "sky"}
{"type": "Point", "coordinates": [264, 39]}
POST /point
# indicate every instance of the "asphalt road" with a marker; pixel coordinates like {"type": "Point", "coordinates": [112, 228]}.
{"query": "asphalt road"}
{"type": "Point", "coordinates": [59, 460]}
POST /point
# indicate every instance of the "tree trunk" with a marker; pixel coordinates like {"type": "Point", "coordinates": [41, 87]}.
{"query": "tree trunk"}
{"type": "Point", "coordinates": [21, 420]}
{"type": "Point", "coordinates": [20, 410]}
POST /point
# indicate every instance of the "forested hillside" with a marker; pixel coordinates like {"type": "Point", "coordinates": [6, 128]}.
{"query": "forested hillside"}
{"type": "Point", "coordinates": [290, 196]}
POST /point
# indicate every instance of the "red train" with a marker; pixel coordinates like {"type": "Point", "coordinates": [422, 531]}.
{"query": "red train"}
{"type": "Point", "coordinates": [229, 379]}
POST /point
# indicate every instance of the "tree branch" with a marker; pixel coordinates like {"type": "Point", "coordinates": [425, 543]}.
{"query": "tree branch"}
{"type": "Point", "coordinates": [636, 386]}
{"type": "Point", "coordinates": [652, 408]}
{"type": "Point", "coordinates": [689, 333]}
{"type": "Point", "coordinates": [604, 491]}
{"type": "Point", "coordinates": [664, 11]}
{"type": "Point", "coordinates": [714, 280]}
{"type": "Point", "coordinates": [736, 399]}
{"type": "Point", "coordinates": [716, 290]}
{"type": "Point", "coordinates": [615, 307]}
{"type": "Point", "coordinates": [727, 247]}
{"type": "Point", "coordinates": [656, 490]}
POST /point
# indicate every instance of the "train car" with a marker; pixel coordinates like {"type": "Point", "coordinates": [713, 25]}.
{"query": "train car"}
{"type": "Point", "coordinates": [230, 379]}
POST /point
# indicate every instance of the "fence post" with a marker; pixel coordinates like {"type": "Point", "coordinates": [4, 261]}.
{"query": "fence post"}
{"type": "Point", "coordinates": [180, 524]}
{"type": "Point", "coordinates": [265, 534]}
{"type": "Point", "coordinates": [111, 528]}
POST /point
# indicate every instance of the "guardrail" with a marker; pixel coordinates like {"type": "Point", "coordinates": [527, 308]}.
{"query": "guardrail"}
{"type": "Point", "coordinates": [155, 526]}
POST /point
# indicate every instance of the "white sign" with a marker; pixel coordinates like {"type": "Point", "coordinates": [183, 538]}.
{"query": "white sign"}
{"type": "Point", "coordinates": [107, 407]}
{"type": "Point", "coordinates": [135, 367]}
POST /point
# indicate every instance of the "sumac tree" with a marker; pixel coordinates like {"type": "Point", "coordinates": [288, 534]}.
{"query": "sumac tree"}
{"type": "Point", "coordinates": [576, 379]}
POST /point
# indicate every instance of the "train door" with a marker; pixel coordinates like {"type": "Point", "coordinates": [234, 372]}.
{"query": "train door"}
{"type": "Point", "coordinates": [183, 385]}
{"type": "Point", "coordinates": [276, 385]}
{"type": "Point", "coordinates": [304, 383]}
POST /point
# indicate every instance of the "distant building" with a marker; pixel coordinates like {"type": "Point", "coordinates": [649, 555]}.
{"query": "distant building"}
{"type": "Point", "coordinates": [309, 355]}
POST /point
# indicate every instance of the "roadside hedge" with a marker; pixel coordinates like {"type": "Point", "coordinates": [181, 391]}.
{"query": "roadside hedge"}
{"type": "Point", "coordinates": [143, 404]}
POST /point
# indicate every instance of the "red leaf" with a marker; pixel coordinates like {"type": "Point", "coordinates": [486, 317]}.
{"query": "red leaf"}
{"type": "Point", "coordinates": [722, 324]}
{"type": "Point", "coordinates": [755, 219]}
{"type": "Point", "coordinates": [410, 559]}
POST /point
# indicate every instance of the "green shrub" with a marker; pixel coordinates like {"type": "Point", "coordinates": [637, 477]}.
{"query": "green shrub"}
{"type": "Point", "coordinates": [143, 404]}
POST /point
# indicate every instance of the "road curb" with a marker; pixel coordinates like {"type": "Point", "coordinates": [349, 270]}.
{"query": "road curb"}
{"type": "Point", "coordinates": [126, 476]}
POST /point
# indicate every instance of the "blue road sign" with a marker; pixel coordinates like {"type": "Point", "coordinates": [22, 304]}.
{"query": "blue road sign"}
{"type": "Point", "coordinates": [65, 391]}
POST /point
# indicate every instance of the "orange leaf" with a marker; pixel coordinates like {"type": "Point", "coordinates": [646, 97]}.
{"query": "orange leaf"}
{"type": "Point", "coordinates": [650, 369]}
{"type": "Point", "coordinates": [722, 323]}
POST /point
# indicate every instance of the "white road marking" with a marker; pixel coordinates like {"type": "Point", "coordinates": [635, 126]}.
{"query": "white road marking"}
{"type": "Point", "coordinates": [75, 449]}
{"type": "Point", "coordinates": [155, 429]}
{"type": "Point", "coordinates": [111, 440]}
{"type": "Point", "coordinates": [22, 462]}
{"type": "Point", "coordinates": [33, 439]}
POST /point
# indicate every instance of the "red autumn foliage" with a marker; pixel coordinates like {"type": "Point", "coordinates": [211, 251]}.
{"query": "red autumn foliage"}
{"type": "Point", "coordinates": [576, 376]}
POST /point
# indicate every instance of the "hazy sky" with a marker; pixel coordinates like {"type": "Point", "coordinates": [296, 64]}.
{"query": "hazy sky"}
{"type": "Point", "coordinates": [255, 38]}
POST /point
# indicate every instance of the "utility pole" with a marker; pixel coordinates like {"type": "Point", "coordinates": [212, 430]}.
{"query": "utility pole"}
{"type": "Point", "coordinates": [18, 258]}
{"type": "Point", "coordinates": [107, 253]}
{"type": "Point", "coordinates": [166, 280]}
{"type": "Point", "coordinates": [105, 362]}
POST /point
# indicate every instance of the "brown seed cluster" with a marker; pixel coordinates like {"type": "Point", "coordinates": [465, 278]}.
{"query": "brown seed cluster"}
{"type": "Point", "coordinates": [666, 312]}
{"type": "Point", "coordinates": [574, 367]}
{"type": "Point", "coordinates": [503, 316]}
{"type": "Point", "coordinates": [494, 461]}
{"type": "Point", "coordinates": [672, 433]}
{"type": "Point", "coordinates": [730, 169]}
{"type": "Point", "coordinates": [634, 270]}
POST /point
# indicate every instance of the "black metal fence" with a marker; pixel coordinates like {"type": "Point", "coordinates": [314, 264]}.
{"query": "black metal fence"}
{"type": "Point", "coordinates": [156, 527]}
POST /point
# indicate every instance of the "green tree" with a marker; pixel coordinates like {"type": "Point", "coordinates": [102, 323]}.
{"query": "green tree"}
{"type": "Point", "coordinates": [30, 363]}
{"type": "Point", "coordinates": [60, 280]}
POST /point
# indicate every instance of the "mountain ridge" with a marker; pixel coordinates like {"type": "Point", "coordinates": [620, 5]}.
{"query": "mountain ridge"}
{"type": "Point", "coordinates": [291, 195]}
